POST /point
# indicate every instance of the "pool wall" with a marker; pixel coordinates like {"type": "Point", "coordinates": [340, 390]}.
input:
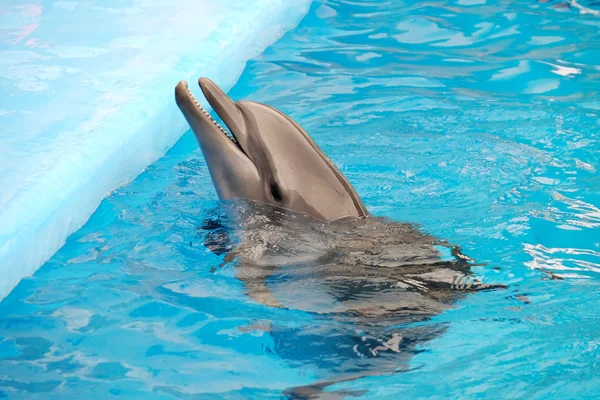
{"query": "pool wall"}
{"type": "Point", "coordinates": [87, 102]}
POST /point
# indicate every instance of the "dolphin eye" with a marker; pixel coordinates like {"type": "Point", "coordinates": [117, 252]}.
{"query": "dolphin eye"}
{"type": "Point", "coordinates": [276, 192]}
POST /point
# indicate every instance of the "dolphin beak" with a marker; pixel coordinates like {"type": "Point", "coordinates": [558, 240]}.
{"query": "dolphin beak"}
{"type": "Point", "coordinates": [229, 166]}
{"type": "Point", "coordinates": [225, 108]}
{"type": "Point", "coordinates": [199, 119]}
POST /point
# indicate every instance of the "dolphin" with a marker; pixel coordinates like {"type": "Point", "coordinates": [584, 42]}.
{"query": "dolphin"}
{"type": "Point", "coordinates": [266, 157]}
{"type": "Point", "coordinates": [304, 227]}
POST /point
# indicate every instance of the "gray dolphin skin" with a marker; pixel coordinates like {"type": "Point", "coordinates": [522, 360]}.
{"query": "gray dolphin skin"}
{"type": "Point", "coordinates": [300, 238]}
{"type": "Point", "coordinates": [266, 157]}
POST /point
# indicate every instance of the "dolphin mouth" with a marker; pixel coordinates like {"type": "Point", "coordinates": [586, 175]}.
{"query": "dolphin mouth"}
{"type": "Point", "coordinates": [188, 103]}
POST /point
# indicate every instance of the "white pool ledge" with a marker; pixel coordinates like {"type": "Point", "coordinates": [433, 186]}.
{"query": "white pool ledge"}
{"type": "Point", "coordinates": [87, 102]}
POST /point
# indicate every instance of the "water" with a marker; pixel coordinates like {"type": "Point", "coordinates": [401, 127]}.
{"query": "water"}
{"type": "Point", "coordinates": [477, 120]}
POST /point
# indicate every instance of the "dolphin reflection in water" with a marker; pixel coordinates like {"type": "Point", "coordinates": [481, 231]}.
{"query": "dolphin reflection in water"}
{"type": "Point", "coordinates": [300, 238]}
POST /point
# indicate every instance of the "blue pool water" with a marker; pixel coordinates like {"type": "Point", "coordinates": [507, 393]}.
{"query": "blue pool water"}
{"type": "Point", "coordinates": [476, 119]}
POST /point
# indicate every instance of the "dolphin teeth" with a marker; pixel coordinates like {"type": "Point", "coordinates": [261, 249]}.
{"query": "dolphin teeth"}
{"type": "Point", "coordinates": [211, 119]}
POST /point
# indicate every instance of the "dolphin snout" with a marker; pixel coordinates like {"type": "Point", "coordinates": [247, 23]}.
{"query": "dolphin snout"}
{"type": "Point", "coordinates": [182, 96]}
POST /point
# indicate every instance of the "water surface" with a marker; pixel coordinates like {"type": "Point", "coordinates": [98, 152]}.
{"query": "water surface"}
{"type": "Point", "coordinates": [476, 119]}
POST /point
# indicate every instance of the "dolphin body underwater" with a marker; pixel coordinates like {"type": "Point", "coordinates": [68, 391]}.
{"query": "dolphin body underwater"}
{"type": "Point", "coordinates": [305, 241]}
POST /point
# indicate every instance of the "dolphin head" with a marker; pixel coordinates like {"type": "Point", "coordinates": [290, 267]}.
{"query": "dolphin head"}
{"type": "Point", "coordinates": [265, 156]}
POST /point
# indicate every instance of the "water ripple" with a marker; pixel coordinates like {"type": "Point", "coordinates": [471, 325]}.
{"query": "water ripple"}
{"type": "Point", "coordinates": [477, 119]}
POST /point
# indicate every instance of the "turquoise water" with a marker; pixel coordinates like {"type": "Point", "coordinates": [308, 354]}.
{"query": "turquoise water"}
{"type": "Point", "coordinates": [477, 120]}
